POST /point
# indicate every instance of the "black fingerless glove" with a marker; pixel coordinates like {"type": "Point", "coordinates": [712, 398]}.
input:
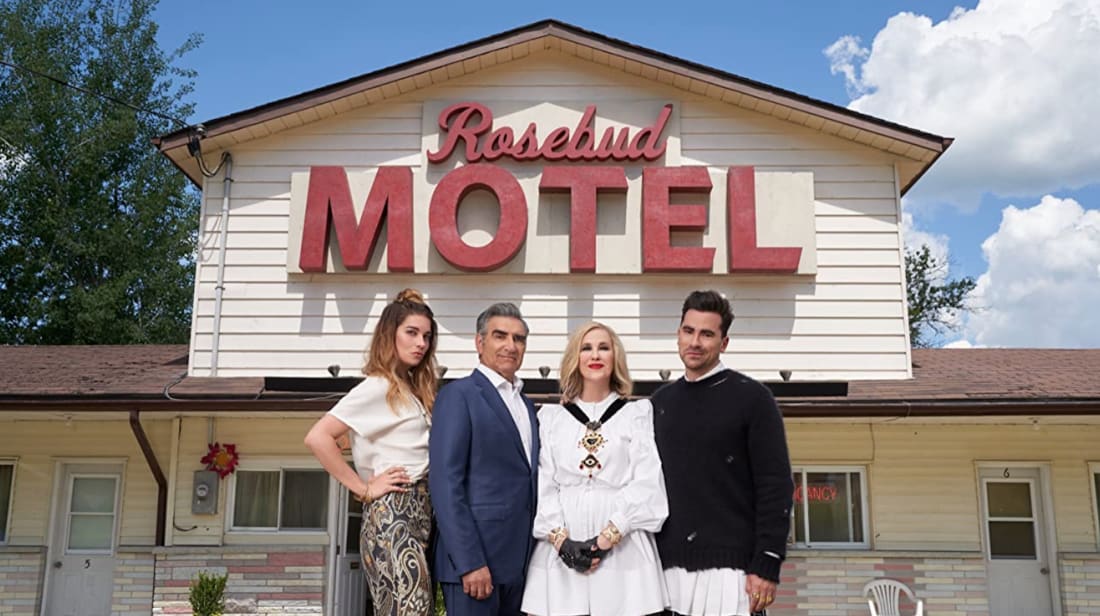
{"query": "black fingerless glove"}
{"type": "Point", "coordinates": [577, 555]}
{"type": "Point", "coordinates": [594, 548]}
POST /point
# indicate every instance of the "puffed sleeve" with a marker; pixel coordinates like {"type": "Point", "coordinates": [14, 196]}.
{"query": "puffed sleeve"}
{"type": "Point", "coordinates": [358, 409]}
{"type": "Point", "coordinates": [549, 514]}
{"type": "Point", "coordinates": [642, 503]}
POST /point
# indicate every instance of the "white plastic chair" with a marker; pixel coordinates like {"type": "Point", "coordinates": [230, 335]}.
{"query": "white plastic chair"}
{"type": "Point", "coordinates": [883, 596]}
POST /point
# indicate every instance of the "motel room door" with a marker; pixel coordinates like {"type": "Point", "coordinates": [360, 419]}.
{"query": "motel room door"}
{"type": "Point", "coordinates": [1014, 535]}
{"type": "Point", "coordinates": [85, 533]}
{"type": "Point", "coordinates": [352, 598]}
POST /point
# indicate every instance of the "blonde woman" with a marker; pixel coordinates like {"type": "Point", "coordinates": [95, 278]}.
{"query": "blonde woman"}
{"type": "Point", "coordinates": [601, 491]}
{"type": "Point", "coordinates": [389, 416]}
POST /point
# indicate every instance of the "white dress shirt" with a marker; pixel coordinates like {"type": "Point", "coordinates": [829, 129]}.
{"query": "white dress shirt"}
{"type": "Point", "coordinates": [510, 393]}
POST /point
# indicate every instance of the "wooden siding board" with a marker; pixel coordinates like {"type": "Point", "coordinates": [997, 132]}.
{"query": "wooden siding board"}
{"type": "Point", "coordinates": [39, 445]}
{"type": "Point", "coordinates": [857, 292]}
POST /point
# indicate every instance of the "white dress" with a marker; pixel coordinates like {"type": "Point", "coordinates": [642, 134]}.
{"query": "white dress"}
{"type": "Point", "coordinates": [628, 490]}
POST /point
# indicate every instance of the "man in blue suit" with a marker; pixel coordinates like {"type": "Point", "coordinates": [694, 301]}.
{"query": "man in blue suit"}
{"type": "Point", "coordinates": [484, 464]}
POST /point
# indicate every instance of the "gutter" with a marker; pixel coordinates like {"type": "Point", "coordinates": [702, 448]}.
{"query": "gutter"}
{"type": "Point", "coordinates": [223, 241]}
{"type": "Point", "coordinates": [158, 475]}
{"type": "Point", "coordinates": [792, 408]}
{"type": "Point", "coordinates": [940, 408]}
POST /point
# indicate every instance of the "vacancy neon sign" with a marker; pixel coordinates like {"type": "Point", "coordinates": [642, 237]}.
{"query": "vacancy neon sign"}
{"type": "Point", "coordinates": [582, 166]}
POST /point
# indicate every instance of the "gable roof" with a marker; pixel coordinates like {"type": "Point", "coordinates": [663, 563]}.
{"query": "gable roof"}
{"type": "Point", "coordinates": [919, 148]}
{"type": "Point", "coordinates": [945, 383]}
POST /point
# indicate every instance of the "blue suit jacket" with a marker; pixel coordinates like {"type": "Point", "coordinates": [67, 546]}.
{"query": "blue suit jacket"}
{"type": "Point", "coordinates": [482, 485]}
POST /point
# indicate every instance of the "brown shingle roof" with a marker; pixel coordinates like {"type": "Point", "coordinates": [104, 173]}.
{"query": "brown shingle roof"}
{"type": "Point", "coordinates": [946, 381]}
{"type": "Point", "coordinates": [90, 371]}
{"type": "Point", "coordinates": [997, 374]}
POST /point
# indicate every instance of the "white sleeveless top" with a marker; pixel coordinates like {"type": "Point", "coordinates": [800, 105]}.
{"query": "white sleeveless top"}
{"type": "Point", "coordinates": [384, 437]}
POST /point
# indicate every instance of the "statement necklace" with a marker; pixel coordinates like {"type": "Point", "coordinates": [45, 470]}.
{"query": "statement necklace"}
{"type": "Point", "coordinates": [592, 440]}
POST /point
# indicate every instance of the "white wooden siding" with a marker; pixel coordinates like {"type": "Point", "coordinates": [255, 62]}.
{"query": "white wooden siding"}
{"type": "Point", "coordinates": [40, 444]}
{"type": "Point", "coordinates": [845, 322]}
{"type": "Point", "coordinates": [254, 438]}
{"type": "Point", "coordinates": [922, 478]}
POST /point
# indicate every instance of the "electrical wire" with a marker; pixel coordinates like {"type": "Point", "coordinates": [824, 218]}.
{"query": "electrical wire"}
{"type": "Point", "coordinates": [84, 90]}
{"type": "Point", "coordinates": [197, 131]}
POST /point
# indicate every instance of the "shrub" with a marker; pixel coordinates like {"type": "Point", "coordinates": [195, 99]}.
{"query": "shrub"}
{"type": "Point", "coordinates": [208, 594]}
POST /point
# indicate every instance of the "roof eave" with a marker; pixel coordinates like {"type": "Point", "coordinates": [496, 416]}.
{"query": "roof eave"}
{"type": "Point", "coordinates": [721, 79]}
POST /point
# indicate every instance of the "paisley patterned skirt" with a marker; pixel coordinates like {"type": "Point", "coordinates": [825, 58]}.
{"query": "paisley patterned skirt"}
{"type": "Point", "coordinates": [394, 543]}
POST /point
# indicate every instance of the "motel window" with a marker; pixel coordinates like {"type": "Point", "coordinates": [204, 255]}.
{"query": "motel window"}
{"type": "Point", "coordinates": [7, 481]}
{"type": "Point", "coordinates": [830, 507]}
{"type": "Point", "coordinates": [280, 499]}
{"type": "Point", "coordinates": [1094, 472]}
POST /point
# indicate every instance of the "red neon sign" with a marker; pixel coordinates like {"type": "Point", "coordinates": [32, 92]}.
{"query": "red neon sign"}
{"type": "Point", "coordinates": [817, 494]}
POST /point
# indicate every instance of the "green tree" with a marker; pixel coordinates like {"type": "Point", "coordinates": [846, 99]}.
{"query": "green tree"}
{"type": "Point", "coordinates": [934, 301]}
{"type": "Point", "coordinates": [97, 229]}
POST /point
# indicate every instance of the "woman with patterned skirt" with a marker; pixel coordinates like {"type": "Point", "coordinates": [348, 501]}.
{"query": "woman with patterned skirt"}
{"type": "Point", "coordinates": [601, 491]}
{"type": "Point", "coordinates": [388, 416]}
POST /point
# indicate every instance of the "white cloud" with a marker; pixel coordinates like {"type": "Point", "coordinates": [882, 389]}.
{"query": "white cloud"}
{"type": "Point", "coordinates": [1042, 288]}
{"type": "Point", "coordinates": [1016, 83]}
{"type": "Point", "coordinates": [914, 238]}
{"type": "Point", "coordinates": [960, 344]}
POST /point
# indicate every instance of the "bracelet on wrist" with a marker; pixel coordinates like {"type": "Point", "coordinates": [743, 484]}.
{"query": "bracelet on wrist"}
{"type": "Point", "coordinates": [612, 534]}
{"type": "Point", "coordinates": [366, 496]}
{"type": "Point", "coordinates": [557, 536]}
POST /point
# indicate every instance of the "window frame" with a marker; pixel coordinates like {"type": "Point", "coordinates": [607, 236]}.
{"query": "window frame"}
{"type": "Point", "coordinates": [281, 466]}
{"type": "Point", "coordinates": [116, 514]}
{"type": "Point", "coordinates": [5, 524]}
{"type": "Point", "coordinates": [1094, 476]}
{"type": "Point", "coordinates": [865, 499]}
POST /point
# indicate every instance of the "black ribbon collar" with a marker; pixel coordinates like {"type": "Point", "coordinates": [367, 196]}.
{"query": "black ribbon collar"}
{"type": "Point", "coordinates": [579, 415]}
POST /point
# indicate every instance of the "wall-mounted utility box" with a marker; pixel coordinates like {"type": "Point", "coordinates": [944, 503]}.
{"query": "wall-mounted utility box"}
{"type": "Point", "coordinates": [204, 492]}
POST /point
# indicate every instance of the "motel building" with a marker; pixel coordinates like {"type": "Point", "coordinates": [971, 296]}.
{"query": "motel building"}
{"type": "Point", "coordinates": [581, 177]}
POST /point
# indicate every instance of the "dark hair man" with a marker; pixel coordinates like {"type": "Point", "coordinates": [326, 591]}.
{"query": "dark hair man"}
{"type": "Point", "coordinates": [724, 455]}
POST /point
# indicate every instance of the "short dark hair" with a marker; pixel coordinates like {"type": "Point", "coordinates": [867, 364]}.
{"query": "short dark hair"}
{"type": "Point", "coordinates": [709, 301]}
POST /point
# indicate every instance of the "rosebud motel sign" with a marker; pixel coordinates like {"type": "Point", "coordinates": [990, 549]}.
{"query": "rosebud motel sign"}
{"type": "Point", "coordinates": [579, 176]}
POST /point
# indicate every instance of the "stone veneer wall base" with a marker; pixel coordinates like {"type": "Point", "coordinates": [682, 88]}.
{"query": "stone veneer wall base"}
{"type": "Point", "coordinates": [1080, 579]}
{"type": "Point", "coordinates": [263, 581]}
{"type": "Point", "coordinates": [830, 583]}
{"type": "Point", "coordinates": [21, 573]}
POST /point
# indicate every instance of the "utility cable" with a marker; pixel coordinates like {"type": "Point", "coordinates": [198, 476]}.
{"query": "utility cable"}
{"type": "Point", "coordinates": [197, 131]}
{"type": "Point", "coordinates": [107, 97]}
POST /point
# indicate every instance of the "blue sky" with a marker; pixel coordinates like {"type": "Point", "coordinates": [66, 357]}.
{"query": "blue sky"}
{"type": "Point", "coordinates": [1015, 85]}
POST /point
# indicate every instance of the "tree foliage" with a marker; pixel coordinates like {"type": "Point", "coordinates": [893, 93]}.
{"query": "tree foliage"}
{"type": "Point", "coordinates": [934, 301]}
{"type": "Point", "coordinates": [97, 229]}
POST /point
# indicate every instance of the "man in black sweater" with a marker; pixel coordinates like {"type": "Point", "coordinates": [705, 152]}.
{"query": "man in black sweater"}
{"type": "Point", "coordinates": [724, 454]}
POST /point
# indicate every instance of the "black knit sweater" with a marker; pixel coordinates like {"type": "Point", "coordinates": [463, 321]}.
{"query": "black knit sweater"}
{"type": "Point", "coordinates": [724, 454]}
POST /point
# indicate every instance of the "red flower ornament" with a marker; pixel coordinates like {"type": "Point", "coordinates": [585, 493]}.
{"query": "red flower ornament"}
{"type": "Point", "coordinates": [221, 458]}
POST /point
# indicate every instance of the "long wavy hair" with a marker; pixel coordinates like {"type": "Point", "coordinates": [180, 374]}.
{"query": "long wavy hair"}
{"type": "Point", "coordinates": [381, 358]}
{"type": "Point", "coordinates": [570, 380]}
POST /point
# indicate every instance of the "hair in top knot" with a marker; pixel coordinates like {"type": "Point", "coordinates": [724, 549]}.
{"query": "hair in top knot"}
{"type": "Point", "coordinates": [410, 295]}
{"type": "Point", "coordinates": [382, 360]}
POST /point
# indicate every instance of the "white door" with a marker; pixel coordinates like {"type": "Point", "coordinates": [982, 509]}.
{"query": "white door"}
{"type": "Point", "coordinates": [351, 586]}
{"type": "Point", "coordinates": [82, 553]}
{"type": "Point", "coordinates": [1015, 535]}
